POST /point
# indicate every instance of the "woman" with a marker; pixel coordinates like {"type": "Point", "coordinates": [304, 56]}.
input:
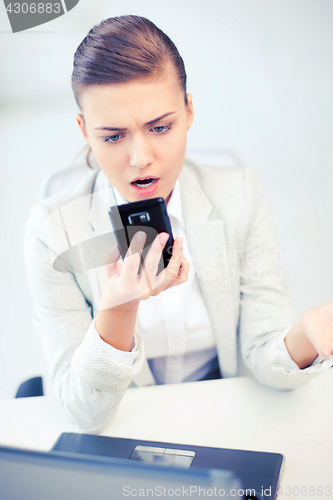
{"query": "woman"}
{"type": "Point", "coordinates": [222, 297]}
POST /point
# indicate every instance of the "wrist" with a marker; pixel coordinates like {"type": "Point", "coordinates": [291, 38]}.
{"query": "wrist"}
{"type": "Point", "coordinates": [116, 325]}
{"type": "Point", "coordinates": [300, 348]}
{"type": "Point", "coordinates": [125, 308]}
{"type": "Point", "coordinates": [109, 302]}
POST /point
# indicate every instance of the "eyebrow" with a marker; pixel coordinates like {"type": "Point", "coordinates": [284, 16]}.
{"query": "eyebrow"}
{"type": "Point", "coordinates": [148, 123]}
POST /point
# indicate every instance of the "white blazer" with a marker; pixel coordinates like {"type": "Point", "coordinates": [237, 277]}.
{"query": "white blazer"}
{"type": "Point", "coordinates": [235, 251]}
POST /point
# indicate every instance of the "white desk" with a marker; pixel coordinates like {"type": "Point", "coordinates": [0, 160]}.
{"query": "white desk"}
{"type": "Point", "coordinates": [230, 413]}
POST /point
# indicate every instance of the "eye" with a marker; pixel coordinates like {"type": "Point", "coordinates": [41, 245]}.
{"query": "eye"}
{"type": "Point", "coordinates": [161, 128]}
{"type": "Point", "coordinates": [112, 138]}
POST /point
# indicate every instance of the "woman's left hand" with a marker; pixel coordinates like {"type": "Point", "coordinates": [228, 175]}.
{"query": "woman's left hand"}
{"type": "Point", "coordinates": [311, 335]}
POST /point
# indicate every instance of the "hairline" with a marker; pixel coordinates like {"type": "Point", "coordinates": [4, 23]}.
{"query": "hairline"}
{"type": "Point", "coordinates": [155, 76]}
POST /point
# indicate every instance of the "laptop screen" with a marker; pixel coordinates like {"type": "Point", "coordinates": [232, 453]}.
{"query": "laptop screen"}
{"type": "Point", "coordinates": [32, 475]}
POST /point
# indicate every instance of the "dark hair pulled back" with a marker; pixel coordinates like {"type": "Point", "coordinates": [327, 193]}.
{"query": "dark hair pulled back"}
{"type": "Point", "coordinates": [121, 49]}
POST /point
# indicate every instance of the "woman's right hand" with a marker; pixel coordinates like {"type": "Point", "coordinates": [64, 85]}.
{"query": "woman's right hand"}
{"type": "Point", "coordinates": [123, 283]}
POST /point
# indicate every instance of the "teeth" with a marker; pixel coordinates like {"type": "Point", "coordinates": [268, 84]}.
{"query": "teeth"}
{"type": "Point", "coordinates": [145, 184]}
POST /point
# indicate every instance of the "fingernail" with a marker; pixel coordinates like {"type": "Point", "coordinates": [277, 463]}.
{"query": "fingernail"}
{"type": "Point", "coordinates": [327, 351]}
{"type": "Point", "coordinates": [180, 242]}
{"type": "Point", "coordinates": [114, 250]}
{"type": "Point", "coordinates": [140, 236]}
{"type": "Point", "coordinates": [164, 238]}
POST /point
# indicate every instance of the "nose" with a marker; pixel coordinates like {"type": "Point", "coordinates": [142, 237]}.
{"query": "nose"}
{"type": "Point", "coordinates": [140, 153]}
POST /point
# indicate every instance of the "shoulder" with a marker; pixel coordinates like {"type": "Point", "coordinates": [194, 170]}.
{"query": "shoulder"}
{"type": "Point", "coordinates": [209, 174]}
{"type": "Point", "coordinates": [224, 185]}
{"type": "Point", "coordinates": [78, 198]}
{"type": "Point", "coordinates": [84, 188]}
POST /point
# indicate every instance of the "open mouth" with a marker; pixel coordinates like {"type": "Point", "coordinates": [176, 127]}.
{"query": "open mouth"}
{"type": "Point", "coordinates": [144, 183]}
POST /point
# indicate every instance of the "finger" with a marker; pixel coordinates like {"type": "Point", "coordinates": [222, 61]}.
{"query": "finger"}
{"type": "Point", "coordinates": [325, 347]}
{"type": "Point", "coordinates": [182, 275]}
{"type": "Point", "coordinates": [153, 258]}
{"type": "Point", "coordinates": [323, 341]}
{"type": "Point", "coordinates": [137, 244]}
{"type": "Point", "coordinates": [327, 351]}
{"type": "Point", "coordinates": [133, 257]}
{"type": "Point", "coordinates": [172, 270]}
{"type": "Point", "coordinates": [110, 256]}
{"type": "Point", "coordinates": [318, 328]}
{"type": "Point", "coordinates": [110, 260]}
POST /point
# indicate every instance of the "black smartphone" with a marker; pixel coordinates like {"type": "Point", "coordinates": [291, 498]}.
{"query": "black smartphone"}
{"type": "Point", "coordinates": [149, 216]}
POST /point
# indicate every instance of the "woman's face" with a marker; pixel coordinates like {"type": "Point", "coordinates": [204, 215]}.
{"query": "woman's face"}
{"type": "Point", "coordinates": [137, 131]}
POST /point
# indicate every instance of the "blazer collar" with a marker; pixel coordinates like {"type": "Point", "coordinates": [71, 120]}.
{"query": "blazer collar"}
{"type": "Point", "coordinates": [191, 190]}
{"type": "Point", "coordinates": [102, 198]}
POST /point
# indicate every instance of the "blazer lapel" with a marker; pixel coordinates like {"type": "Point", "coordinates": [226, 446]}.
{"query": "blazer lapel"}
{"type": "Point", "coordinates": [207, 241]}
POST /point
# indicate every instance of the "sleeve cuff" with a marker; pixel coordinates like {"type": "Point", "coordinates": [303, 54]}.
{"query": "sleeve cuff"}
{"type": "Point", "coordinates": [101, 372]}
{"type": "Point", "coordinates": [120, 357]}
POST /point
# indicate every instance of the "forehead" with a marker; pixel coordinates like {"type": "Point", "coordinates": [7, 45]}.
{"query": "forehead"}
{"type": "Point", "coordinates": [142, 99]}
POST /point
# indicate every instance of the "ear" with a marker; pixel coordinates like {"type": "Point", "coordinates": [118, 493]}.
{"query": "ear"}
{"type": "Point", "coordinates": [82, 125]}
{"type": "Point", "coordinates": [190, 113]}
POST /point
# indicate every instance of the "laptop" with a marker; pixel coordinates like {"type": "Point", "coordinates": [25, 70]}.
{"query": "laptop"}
{"type": "Point", "coordinates": [258, 472]}
{"type": "Point", "coordinates": [57, 475]}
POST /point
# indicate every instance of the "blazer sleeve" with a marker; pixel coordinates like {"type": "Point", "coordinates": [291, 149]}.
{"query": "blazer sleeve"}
{"type": "Point", "coordinates": [88, 384]}
{"type": "Point", "coordinates": [267, 307]}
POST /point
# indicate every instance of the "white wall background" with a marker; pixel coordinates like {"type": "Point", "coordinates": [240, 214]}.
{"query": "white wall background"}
{"type": "Point", "coordinates": [261, 76]}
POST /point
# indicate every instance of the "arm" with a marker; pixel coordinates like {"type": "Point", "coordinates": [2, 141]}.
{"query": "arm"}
{"type": "Point", "coordinates": [267, 307]}
{"type": "Point", "coordinates": [89, 385]}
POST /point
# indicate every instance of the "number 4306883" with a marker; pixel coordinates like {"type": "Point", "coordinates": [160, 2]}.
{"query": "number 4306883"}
{"type": "Point", "coordinates": [34, 8]}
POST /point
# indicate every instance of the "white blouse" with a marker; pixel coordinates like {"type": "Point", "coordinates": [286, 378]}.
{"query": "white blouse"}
{"type": "Point", "coordinates": [179, 342]}
{"type": "Point", "coordinates": [175, 326]}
